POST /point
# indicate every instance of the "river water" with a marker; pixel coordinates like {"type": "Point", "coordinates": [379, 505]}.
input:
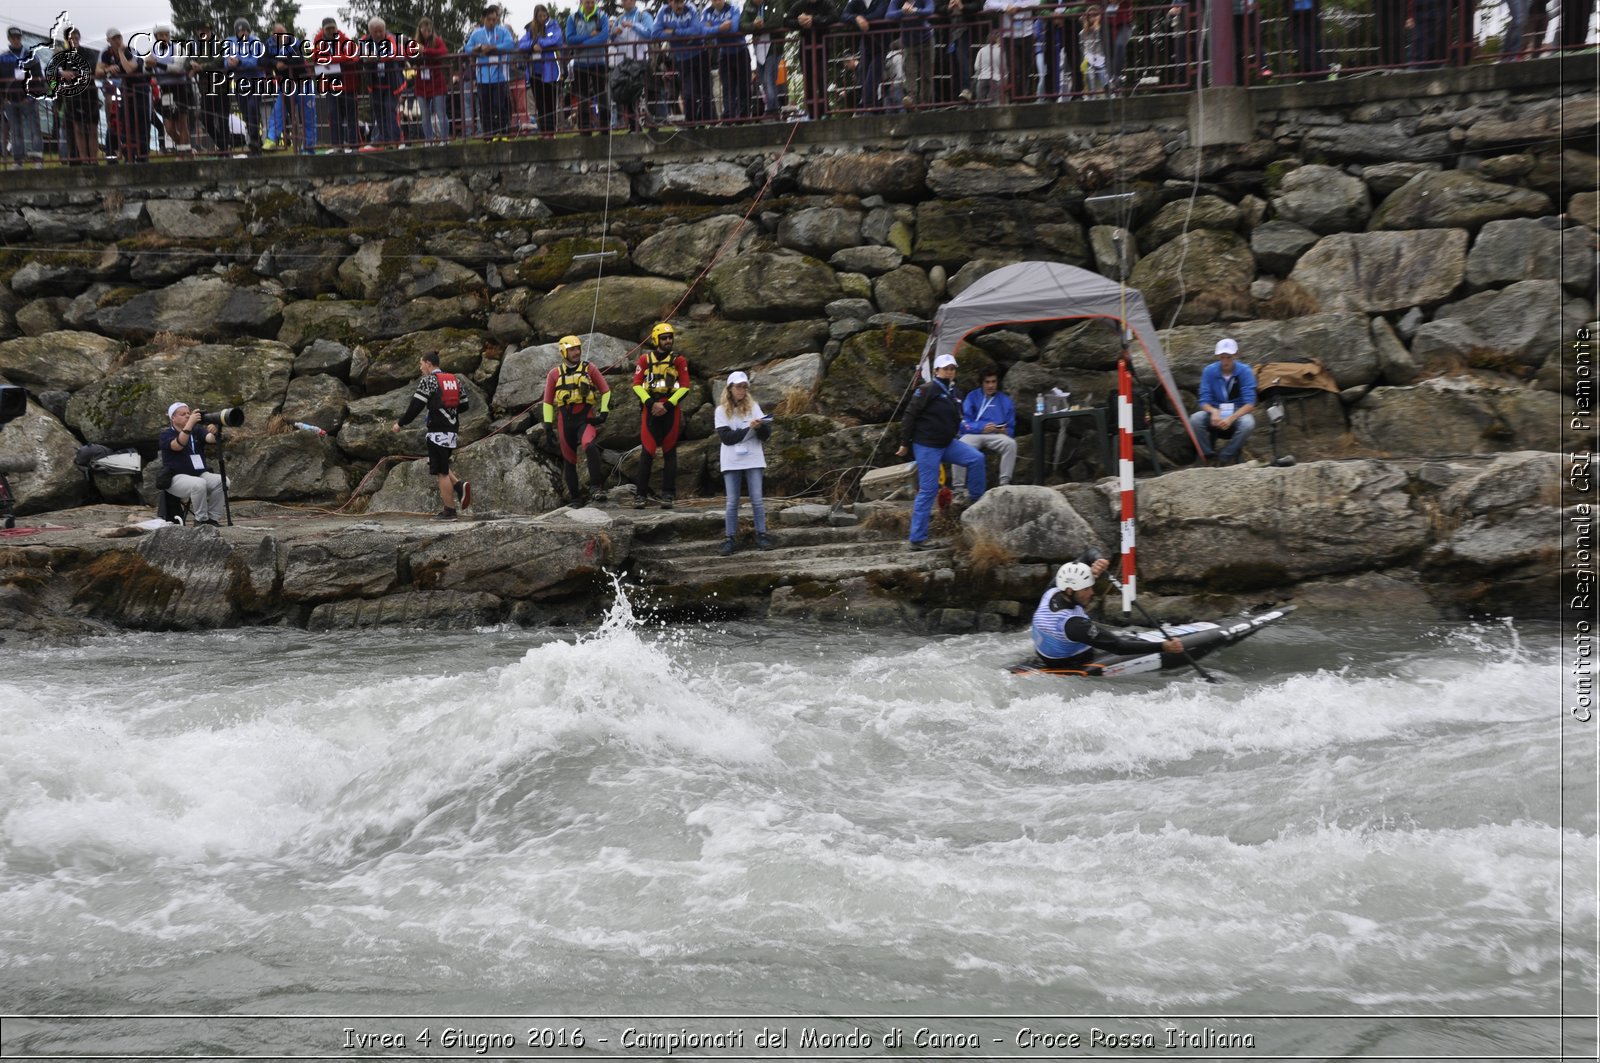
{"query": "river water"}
{"type": "Point", "coordinates": [1366, 840]}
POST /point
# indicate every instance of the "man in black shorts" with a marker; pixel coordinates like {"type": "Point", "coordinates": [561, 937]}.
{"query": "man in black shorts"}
{"type": "Point", "coordinates": [442, 395]}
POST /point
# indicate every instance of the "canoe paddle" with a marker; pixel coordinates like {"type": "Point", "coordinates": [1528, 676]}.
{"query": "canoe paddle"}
{"type": "Point", "coordinates": [1207, 676]}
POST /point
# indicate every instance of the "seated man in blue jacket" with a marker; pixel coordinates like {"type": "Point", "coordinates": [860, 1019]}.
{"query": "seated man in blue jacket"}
{"type": "Point", "coordinates": [1063, 634]}
{"type": "Point", "coordinates": [1227, 395]}
{"type": "Point", "coordinates": [930, 427]}
{"type": "Point", "coordinates": [989, 422]}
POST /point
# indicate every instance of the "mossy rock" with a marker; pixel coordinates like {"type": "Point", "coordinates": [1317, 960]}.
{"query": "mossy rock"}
{"type": "Point", "coordinates": [871, 373]}
{"type": "Point", "coordinates": [561, 261]}
{"type": "Point", "coordinates": [395, 364]}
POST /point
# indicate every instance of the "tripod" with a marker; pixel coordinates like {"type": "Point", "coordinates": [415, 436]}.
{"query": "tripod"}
{"type": "Point", "coordinates": [222, 469]}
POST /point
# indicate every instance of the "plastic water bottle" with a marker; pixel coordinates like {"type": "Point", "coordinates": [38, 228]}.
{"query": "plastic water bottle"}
{"type": "Point", "coordinates": [310, 428]}
{"type": "Point", "coordinates": [1038, 405]}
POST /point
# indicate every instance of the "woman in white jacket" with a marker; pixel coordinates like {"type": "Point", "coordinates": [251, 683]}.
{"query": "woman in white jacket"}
{"type": "Point", "coordinates": [742, 427]}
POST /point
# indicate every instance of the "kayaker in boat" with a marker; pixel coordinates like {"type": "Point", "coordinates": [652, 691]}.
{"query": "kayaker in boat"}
{"type": "Point", "coordinates": [1063, 634]}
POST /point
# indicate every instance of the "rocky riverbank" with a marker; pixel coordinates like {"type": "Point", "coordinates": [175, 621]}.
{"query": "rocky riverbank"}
{"type": "Point", "coordinates": [1429, 238]}
{"type": "Point", "coordinates": [1430, 539]}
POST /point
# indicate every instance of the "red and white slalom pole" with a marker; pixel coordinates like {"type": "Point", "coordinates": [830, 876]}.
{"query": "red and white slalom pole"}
{"type": "Point", "coordinates": [1130, 577]}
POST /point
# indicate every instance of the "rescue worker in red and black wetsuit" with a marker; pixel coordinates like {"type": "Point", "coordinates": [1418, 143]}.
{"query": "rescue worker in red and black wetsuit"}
{"type": "Point", "coordinates": [577, 400]}
{"type": "Point", "coordinates": [661, 380]}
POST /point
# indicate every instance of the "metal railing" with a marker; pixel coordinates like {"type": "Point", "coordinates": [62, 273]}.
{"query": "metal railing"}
{"type": "Point", "coordinates": [1049, 54]}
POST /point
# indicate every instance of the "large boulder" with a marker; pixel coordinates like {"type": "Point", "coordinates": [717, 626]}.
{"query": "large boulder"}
{"type": "Point", "coordinates": [1374, 272]}
{"type": "Point", "coordinates": [967, 174]}
{"type": "Point", "coordinates": [1116, 159]}
{"type": "Point", "coordinates": [292, 467]}
{"type": "Point", "coordinates": [1520, 249]}
{"type": "Point", "coordinates": [344, 322]}
{"type": "Point", "coordinates": [1449, 416]}
{"type": "Point", "coordinates": [1323, 199]}
{"type": "Point", "coordinates": [54, 482]}
{"type": "Point", "coordinates": [777, 285]}
{"type": "Point", "coordinates": [904, 291]}
{"type": "Point", "coordinates": [1549, 120]}
{"type": "Point", "coordinates": [948, 232]}
{"type": "Point", "coordinates": [626, 306]}
{"type": "Point", "coordinates": [1279, 244]}
{"type": "Point", "coordinates": [206, 307]}
{"type": "Point", "coordinates": [871, 260]}
{"type": "Point", "coordinates": [870, 375]}
{"type": "Point", "coordinates": [519, 559]}
{"type": "Point", "coordinates": [387, 270]}
{"type": "Point", "coordinates": [460, 352]}
{"type": "Point", "coordinates": [507, 474]}
{"type": "Point", "coordinates": [1522, 322]}
{"type": "Point", "coordinates": [355, 562]}
{"type": "Point", "coordinates": [681, 251]}
{"type": "Point", "coordinates": [1348, 516]}
{"type": "Point", "coordinates": [185, 578]}
{"type": "Point", "coordinates": [394, 199]}
{"type": "Point", "coordinates": [820, 231]}
{"type": "Point", "coordinates": [1209, 212]}
{"type": "Point", "coordinates": [319, 400]}
{"type": "Point", "coordinates": [808, 450]}
{"type": "Point", "coordinates": [128, 408]}
{"type": "Point", "coordinates": [570, 258]}
{"type": "Point", "coordinates": [694, 182]}
{"type": "Point", "coordinates": [896, 175]}
{"type": "Point", "coordinates": [717, 346]}
{"type": "Point", "coordinates": [58, 273]}
{"type": "Point", "coordinates": [1030, 523]}
{"type": "Point", "coordinates": [565, 190]}
{"type": "Point", "coordinates": [1452, 199]}
{"type": "Point", "coordinates": [194, 219]}
{"type": "Point", "coordinates": [64, 361]}
{"type": "Point", "coordinates": [1208, 272]}
{"type": "Point", "coordinates": [1381, 141]}
{"type": "Point", "coordinates": [782, 380]}
{"type": "Point", "coordinates": [308, 268]}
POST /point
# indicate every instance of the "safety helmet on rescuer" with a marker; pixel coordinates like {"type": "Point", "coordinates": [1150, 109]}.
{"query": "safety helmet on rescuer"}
{"type": "Point", "coordinates": [1074, 576]}
{"type": "Point", "coordinates": [663, 329]}
{"type": "Point", "coordinates": [569, 343]}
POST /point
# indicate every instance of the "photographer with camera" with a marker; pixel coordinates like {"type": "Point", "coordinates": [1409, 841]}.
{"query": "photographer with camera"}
{"type": "Point", "coordinates": [183, 457]}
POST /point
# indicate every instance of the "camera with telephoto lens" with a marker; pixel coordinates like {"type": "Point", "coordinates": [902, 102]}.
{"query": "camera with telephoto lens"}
{"type": "Point", "coordinates": [13, 403]}
{"type": "Point", "coordinates": [232, 417]}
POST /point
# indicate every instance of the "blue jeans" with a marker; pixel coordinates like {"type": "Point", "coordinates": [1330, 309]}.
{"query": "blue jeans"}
{"type": "Point", "coordinates": [752, 483]}
{"type": "Point", "coordinates": [1200, 421]}
{"type": "Point", "coordinates": [769, 79]}
{"type": "Point", "coordinates": [928, 461]}
{"type": "Point", "coordinates": [308, 118]}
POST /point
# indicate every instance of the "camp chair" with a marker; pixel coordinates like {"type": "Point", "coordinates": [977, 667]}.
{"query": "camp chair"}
{"type": "Point", "coordinates": [1289, 382]}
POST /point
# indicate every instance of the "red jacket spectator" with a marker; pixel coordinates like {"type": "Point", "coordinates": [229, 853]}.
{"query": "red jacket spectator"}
{"type": "Point", "coordinates": [433, 77]}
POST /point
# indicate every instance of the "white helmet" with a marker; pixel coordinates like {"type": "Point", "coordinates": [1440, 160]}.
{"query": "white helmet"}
{"type": "Point", "coordinates": [1074, 576]}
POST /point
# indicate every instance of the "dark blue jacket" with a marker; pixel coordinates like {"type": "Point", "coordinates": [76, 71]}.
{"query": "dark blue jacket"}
{"type": "Point", "coordinates": [933, 416]}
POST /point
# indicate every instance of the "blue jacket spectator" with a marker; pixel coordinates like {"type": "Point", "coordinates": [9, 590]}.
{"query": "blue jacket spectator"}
{"type": "Point", "coordinates": [588, 31]}
{"type": "Point", "coordinates": [248, 49]}
{"type": "Point", "coordinates": [493, 66]}
{"type": "Point", "coordinates": [989, 422]}
{"type": "Point", "coordinates": [680, 25]}
{"type": "Point", "coordinates": [978, 409]}
{"type": "Point", "coordinates": [546, 66]}
{"type": "Point", "coordinates": [1227, 397]}
{"type": "Point", "coordinates": [713, 18]}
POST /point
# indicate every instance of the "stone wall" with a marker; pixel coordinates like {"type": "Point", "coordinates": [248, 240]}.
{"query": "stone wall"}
{"type": "Point", "coordinates": [1429, 237]}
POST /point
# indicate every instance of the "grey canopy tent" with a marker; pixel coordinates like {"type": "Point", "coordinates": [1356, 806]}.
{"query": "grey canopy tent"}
{"type": "Point", "coordinates": [1049, 291]}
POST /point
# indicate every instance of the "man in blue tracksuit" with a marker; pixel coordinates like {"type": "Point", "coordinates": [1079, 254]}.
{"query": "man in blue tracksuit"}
{"type": "Point", "coordinates": [1063, 634]}
{"type": "Point", "coordinates": [930, 430]}
{"type": "Point", "coordinates": [1227, 397]}
{"type": "Point", "coordinates": [989, 422]}
{"type": "Point", "coordinates": [679, 25]}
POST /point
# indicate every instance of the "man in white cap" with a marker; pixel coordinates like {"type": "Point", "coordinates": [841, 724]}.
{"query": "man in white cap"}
{"type": "Point", "coordinates": [183, 454]}
{"type": "Point", "coordinates": [931, 430]}
{"type": "Point", "coordinates": [1227, 397]}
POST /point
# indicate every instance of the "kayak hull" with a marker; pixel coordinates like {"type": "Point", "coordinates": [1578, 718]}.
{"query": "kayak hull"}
{"type": "Point", "coordinates": [1200, 639]}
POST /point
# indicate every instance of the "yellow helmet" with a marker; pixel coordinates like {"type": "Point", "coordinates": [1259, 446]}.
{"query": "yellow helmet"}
{"type": "Point", "coordinates": [568, 343]}
{"type": "Point", "coordinates": [663, 329]}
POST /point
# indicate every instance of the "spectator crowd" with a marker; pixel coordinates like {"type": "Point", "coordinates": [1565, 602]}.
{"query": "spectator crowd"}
{"type": "Point", "coordinates": [613, 64]}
